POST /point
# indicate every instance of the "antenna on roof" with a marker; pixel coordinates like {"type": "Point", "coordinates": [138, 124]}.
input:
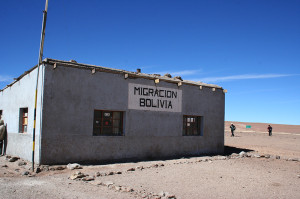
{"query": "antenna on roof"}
{"type": "Point", "coordinates": [37, 79]}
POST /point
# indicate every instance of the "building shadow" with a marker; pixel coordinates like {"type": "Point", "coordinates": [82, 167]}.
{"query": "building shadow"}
{"type": "Point", "coordinates": [228, 150]}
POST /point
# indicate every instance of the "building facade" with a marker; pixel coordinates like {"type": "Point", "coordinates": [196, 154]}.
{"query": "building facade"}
{"type": "Point", "coordinates": [93, 114]}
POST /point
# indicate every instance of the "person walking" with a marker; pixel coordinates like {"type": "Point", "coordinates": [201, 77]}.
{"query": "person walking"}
{"type": "Point", "coordinates": [232, 127]}
{"type": "Point", "coordinates": [270, 130]}
{"type": "Point", "coordinates": [3, 134]}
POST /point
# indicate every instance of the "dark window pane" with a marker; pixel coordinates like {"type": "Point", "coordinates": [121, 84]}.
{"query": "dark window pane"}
{"type": "Point", "coordinates": [192, 125]}
{"type": "Point", "coordinates": [107, 131]}
{"type": "Point", "coordinates": [97, 114]}
{"type": "Point", "coordinates": [108, 123]}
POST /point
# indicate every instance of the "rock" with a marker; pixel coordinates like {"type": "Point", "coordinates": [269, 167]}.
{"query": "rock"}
{"type": "Point", "coordinates": [168, 75]}
{"type": "Point", "coordinates": [155, 197]}
{"type": "Point", "coordinates": [38, 170]}
{"type": "Point", "coordinates": [119, 172]}
{"type": "Point", "coordinates": [118, 188]}
{"type": "Point", "coordinates": [178, 77]}
{"type": "Point", "coordinates": [77, 175]}
{"type": "Point", "coordinates": [128, 189]}
{"type": "Point", "coordinates": [87, 178]}
{"type": "Point", "coordinates": [248, 155]}
{"type": "Point", "coordinates": [13, 159]}
{"type": "Point", "coordinates": [242, 154]}
{"type": "Point", "coordinates": [277, 157]}
{"type": "Point", "coordinates": [74, 166]}
{"type": "Point", "coordinates": [4, 166]}
{"type": "Point", "coordinates": [21, 163]}
{"type": "Point", "coordinates": [98, 174]}
{"type": "Point", "coordinates": [110, 173]}
{"type": "Point", "coordinates": [140, 167]}
{"type": "Point", "coordinates": [7, 157]}
{"type": "Point", "coordinates": [170, 196]}
{"type": "Point", "coordinates": [256, 156]}
{"type": "Point", "coordinates": [161, 193]}
{"type": "Point", "coordinates": [267, 156]}
{"type": "Point", "coordinates": [59, 168]}
{"type": "Point", "coordinates": [25, 173]}
{"type": "Point", "coordinates": [292, 159]}
{"type": "Point", "coordinates": [234, 155]}
{"type": "Point", "coordinates": [220, 158]}
{"type": "Point", "coordinates": [108, 183]}
{"type": "Point", "coordinates": [45, 167]}
{"type": "Point", "coordinates": [131, 169]}
{"type": "Point", "coordinates": [96, 182]}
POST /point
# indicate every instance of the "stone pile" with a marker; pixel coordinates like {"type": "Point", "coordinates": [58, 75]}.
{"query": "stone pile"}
{"type": "Point", "coordinates": [141, 194]}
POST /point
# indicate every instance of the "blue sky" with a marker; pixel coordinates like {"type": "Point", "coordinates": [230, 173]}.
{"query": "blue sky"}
{"type": "Point", "coordinates": [249, 47]}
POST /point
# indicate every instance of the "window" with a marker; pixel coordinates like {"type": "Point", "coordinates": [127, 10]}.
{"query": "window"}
{"type": "Point", "coordinates": [108, 123]}
{"type": "Point", "coordinates": [23, 120]}
{"type": "Point", "coordinates": [0, 114]}
{"type": "Point", "coordinates": [192, 125]}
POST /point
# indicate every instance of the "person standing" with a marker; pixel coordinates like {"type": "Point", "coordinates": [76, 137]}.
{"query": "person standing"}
{"type": "Point", "coordinates": [3, 134]}
{"type": "Point", "coordinates": [270, 130]}
{"type": "Point", "coordinates": [232, 127]}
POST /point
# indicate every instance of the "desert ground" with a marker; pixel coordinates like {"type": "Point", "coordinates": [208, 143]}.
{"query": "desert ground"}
{"type": "Point", "coordinates": [254, 165]}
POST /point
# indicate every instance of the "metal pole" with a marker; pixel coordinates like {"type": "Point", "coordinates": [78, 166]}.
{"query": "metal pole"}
{"type": "Point", "coordinates": [37, 77]}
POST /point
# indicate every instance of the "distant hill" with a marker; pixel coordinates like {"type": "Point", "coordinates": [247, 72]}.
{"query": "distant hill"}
{"type": "Point", "coordinates": [262, 127]}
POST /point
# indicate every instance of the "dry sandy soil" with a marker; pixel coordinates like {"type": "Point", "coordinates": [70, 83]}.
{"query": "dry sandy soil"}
{"type": "Point", "coordinates": [273, 174]}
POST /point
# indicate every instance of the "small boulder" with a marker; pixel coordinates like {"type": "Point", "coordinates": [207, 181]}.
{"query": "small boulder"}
{"type": "Point", "coordinates": [25, 173]}
{"type": "Point", "coordinates": [242, 154]}
{"type": "Point", "coordinates": [13, 159]}
{"type": "Point", "coordinates": [87, 178]}
{"type": "Point", "coordinates": [59, 168]}
{"type": "Point", "coordinates": [21, 163]}
{"type": "Point", "coordinates": [77, 175]}
{"type": "Point", "coordinates": [108, 183]}
{"type": "Point", "coordinates": [131, 169]}
{"type": "Point", "coordinates": [74, 166]}
{"type": "Point", "coordinates": [267, 156]}
{"type": "Point", "coordinates": [38, 170]}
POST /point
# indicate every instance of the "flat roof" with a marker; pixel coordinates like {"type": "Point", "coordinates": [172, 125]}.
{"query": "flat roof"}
{"type": "Point", "coordinates": [95, 68]}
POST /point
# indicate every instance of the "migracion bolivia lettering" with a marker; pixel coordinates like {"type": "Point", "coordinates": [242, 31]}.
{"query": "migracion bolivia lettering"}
{"type": "Point", "coordinates": [161, 93]}
{"type": "Point", "coordinates": [153, 98]}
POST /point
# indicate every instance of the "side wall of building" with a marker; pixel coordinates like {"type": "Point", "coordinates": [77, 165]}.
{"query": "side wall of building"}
{"type": "Point", "coordinates": [71, 96]}
{"type": "Point", "coordinates": [14, 98]}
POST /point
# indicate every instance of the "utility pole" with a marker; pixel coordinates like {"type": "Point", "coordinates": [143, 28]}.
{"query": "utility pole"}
{"type": "Point", "coordinates": [37, 77]}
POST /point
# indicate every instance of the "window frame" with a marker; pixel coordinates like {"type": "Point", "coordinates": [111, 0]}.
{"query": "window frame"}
{"type": "Point", "coordinates": [111, 126]}
{"type": "Point", "coordinates": [190, 127]}
{"type": "Point", "coordinates": [22, 118]}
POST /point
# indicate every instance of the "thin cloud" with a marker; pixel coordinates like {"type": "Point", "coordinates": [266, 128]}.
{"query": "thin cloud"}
{"type": "Point", "coordinates": [5, 78]}
{"type": "Point", "coordinates": [179, 73]}
{"type": "Point", "coordinates": [242, 77]}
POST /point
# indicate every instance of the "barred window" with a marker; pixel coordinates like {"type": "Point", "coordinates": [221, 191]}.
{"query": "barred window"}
{"type": "Point", "coordinates": [192, 125]}
{"type": "Point", "coordinates": [109, 123]}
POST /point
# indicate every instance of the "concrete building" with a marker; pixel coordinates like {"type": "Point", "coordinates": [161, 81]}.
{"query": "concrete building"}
{"type": "Point", "coordinates": [92, 113]}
